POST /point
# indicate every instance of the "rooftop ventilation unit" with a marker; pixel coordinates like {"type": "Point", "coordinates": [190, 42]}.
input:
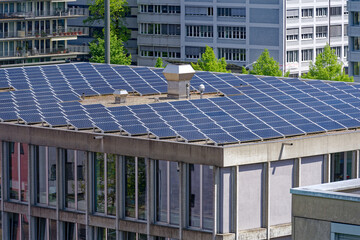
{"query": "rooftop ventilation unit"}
{"type": "Point", "coordinates": [120, 96]}
{"type": "Point", "coordinates": [178, 78]}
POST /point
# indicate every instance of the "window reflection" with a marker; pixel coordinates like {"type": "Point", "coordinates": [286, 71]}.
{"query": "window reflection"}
{"type": "Point", "coordinates": [52, 155]}
{"type": "Point", "coordinates": [130, 187]}
{"type": "Point", "coordinates": [40, 173]}
{"type": "Point", "coordinates": [81, 180]}
{"type": "Point", "coordinates": [13, 170]}
{"type": "Point", "coordinates": [111, 184]}
{"type": "Point", "coordinates": [142, 188]}
{"type": "Point", "coordinates": [69, 161]}
{"type": "Point", "coordinates": [99, 183]}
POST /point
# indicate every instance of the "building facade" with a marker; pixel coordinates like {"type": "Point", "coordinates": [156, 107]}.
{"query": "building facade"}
{"type": "Point", "coordinates": [213, 167]}
{"type": "Point", "coordinates": [354, 35]}
{"type": "Point", "coordinates": [293, 31]}
{"type": "Point", "coordinates": [34, 32]}
{"type": "Point", "coordinates": [330, 213]}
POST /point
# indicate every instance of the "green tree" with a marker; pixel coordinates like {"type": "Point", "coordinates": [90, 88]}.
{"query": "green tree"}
{"type": "Point", "coordinates": [327, 67]}
{"type": "Point", "coordinates": [159, 63]}
{"type": "Point", "coordinates": [208, 62]}
{"type": "Point", "coordinates": [118, 11]}
{"type": "Point", "coordinates": [266, 65]}
{"type": "Point", "coordinates": [118, 54]}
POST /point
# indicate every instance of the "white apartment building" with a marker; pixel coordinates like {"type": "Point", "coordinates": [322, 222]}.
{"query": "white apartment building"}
{"type": "Point", "coordinates": [33, 32]}
{"type": "Point", "coordinates": [354, 39]}
{"type": "Point", "coordinates": [293, 31]}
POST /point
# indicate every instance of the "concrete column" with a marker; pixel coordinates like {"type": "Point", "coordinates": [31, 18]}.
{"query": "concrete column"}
{"type": "Point", "coordinates": [327, 168]}
{"type": "Point", "coordinates": [297, 172]}
{"type": "Point", "coordinates": [235, 201]}
{"type": "Point", "coordinates": [266, 200]}
{"type": "Point", "coordinates": [182, 198]}
{"type": "Point", "coordinates": [216, 179]}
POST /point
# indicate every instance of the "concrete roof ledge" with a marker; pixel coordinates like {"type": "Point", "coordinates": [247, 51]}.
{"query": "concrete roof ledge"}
{"type": "Point", "coordinates": [331, 190]}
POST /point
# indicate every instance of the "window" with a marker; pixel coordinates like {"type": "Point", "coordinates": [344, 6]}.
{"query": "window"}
{"type": "Point", "coordinates": [319, 51]}
{"type": "Point", "coordinates": [165, 52]}
{"type": "Point", "coordinates": [356, 41]}
{"type": "Point", "coordinates": [199, 11]}
{"type": "Point", "coordinates": [159, 29]}
{"type": "Point", "coordinates": [201, 196]}
{"type": "Point", "coordinates": [356, 68]}
{"type": "Point", "coordinates": [167, 192]}
{"type": "Point", "coordinates": [231, 32]}
{"type": "Point", "coordinates": [105, 183]}
{"type": "Point", "coordinates": [135, 187]}
{"type": "Point", "coordinates": [292, 56]}
{"type": "Point", "coordinates": [18, 227]}
{"type": "Point", "coordinates": [307, 13]}
{"type": "Point", "coordinates": [306, 55]}
{"type": "Point", "coordinates": [321, 32]}
{"type": "Point", "coordinates": [68, 158]}
{"type": "Point", "coordinates": [199, 31]}
{"type": "Point", "coordinates": [346, 49]}
{"type": "Point", "coordinates": [335, 11]}
{"type": "Point", "coordinates": [307, 33]}
{"type": "Point", "coordinates": [335, 31]}
{"type": "Point", "coordinates": [337, 51]}
{"type": "Point", "coordinates": [341, 166]}
{"type": "Point", "coordinates": [321, 12]}
{"type": "Point", "coordinates": [292, 13]}
{"type": "Point", "coordinates": [346, 12]}
{"type": "Point", "coordinates": [194, 52]}
{"type": "Point", "coordinates": [232, 12]}
{"type": "Point", "coordinates": [231, 54]}
{"type": "Point", "coordinates": [345, 30]}
{"type": "Point", "coordinates": [292, 34]}
{"type": "Point", "coordinates": [17, 159]}
{"type": "Point", "coordinates": [356, 18]}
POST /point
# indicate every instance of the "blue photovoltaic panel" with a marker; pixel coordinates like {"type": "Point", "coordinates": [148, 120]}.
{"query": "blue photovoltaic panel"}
{"type": "Point", "coordinates": [108, 127]}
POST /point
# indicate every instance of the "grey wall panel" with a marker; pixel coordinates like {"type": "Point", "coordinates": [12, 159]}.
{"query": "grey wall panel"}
{"type": "Point", "coordinates": [281, 180]}
{"type": "Point", "coordinates": [264, 15]}
{"type": "Point", "coordinates": [249, 196]}
{"type": "Point", "coordinates": [255, 53]}
{"type": "Point", "coordinates": [225, 200]}
{"type": "Point", "coordinates": [311, 170]}
{"type": "Point", "coordinates": [264, 36]}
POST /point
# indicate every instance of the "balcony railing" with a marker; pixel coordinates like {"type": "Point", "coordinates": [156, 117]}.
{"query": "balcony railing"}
{"type": "Point", "coordinates": [79, 48]}
{"type": "Point", "coordinates": [40, 34]}
{"type": "Point", "coordinates": [58, 12]}
{"type": "Point", "coordinates": [34, 52]}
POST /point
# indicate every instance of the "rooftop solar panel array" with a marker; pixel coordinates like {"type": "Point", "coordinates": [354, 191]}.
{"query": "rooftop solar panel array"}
{"type": "Point", "coordinates": [254, 108]}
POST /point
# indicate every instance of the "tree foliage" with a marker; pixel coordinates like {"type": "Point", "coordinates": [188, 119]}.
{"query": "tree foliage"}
{"type": "Point", "coordinates": [266, 65]}
{"type": "Point", "coordinates": [208, 62]}
{"type": "Point", "coordinates": [118, 54]}
{"type": "Point", "coordinates": [118, 11]}
{"type": "Point", "coordinates": [327, 67]}
{"type": "Point", "coordinates": [159, 63]}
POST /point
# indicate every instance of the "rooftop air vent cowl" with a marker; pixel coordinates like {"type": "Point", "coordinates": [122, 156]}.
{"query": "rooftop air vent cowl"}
{"type": "Point", "coordinates": [120, 96]}
{"type": "Point", "coordinates": [178, 77]}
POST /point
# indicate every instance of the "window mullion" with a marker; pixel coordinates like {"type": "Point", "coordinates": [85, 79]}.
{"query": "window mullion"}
{"type": "Point", "coordinates": [47, 173]}
{"type": "Point", "coordinates": [76, 179]}
{"type": "Point", "coordinates": [201, 196]}
{"type": "Point", "coordinates": [136, 188]}
{"type": "Point", "coordinates": [168, 192]}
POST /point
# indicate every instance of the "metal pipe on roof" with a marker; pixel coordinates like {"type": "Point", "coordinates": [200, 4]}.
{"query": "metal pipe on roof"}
{"type": "Point", "coordinates": [107, 31]}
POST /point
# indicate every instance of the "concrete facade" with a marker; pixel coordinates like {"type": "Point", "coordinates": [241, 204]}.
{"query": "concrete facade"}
{"type": "Point", "coordinates": [327, 211]}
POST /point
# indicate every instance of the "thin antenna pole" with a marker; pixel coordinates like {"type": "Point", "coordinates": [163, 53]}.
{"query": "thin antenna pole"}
{"type": "Point", "coordinates": [107, 31]}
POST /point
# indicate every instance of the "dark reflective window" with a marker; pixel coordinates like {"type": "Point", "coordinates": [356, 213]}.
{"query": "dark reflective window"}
{"type": "Point", "coordinates": [130, 187]}
{"type": "Point", "coordinates": [99, 183]}
{"type": "Point", "coordinates": [111, 184]}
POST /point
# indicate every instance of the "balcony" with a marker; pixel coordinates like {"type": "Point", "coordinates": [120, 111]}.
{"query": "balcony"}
{"type": "Point", "coordinates": [37, 53]}
{"type": "Point", "coordinates": [58, 13]}
{"type": "Point", "coordinates": [44, 34]}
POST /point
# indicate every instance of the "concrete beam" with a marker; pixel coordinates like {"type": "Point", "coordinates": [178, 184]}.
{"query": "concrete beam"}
{"type": "Point", "coordinates": [111, 143]}
{"type": "Point", "coordinates": [282, 149]}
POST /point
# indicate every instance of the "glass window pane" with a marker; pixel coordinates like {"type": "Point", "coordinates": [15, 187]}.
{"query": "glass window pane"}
{"type": "Point", "coordinates": [52, 175]}
{"type": "Point", "coordinates": [81, 179]}
{"type": "Point", "coordinates": [69, 231]}
{"type": "Point", "coordinates": [81, 232]}
{"type": "Point", "coordinates": [100, 233]}
{"type": "Point", "coordinates": [99, 182]}
{"type": "Point", "coordinates": [69, 161]}
{"type": "Point", "coordinates": [53, 229]}
{"type": "Point", "coordinates": [130, 186]}
{"type": "Point", "coordinates": [349, 157]}
{"type": "Point", "coordinates": [41, 229]}
{"type": "Point", "coordinates": [24, 227]}
{"type": "Point", "coordinates": [142, 188]}
{"type": "Point", "coordinates": [174, 193]}
{"type": "Point", "coordinates": [337, 167]}
{"type": "Point", "coordinates": [40, 162]}
{"type": "Point", "coordinates": [194, 195]}
{"type": "Point", "coordinates": [13, 170]}
{"type": "Point", "coordinates": [161, 191]}
{"type": "Point", "coordinates": [111, 184]}
{"type": "Point", "coordinates": [111, 234]}
{"type": "Point", "coordinates": [14, 226]}
{"type": "Point", "coordinates": [24, 161]}
{"type": "Point", "coordinates": [208, 196]}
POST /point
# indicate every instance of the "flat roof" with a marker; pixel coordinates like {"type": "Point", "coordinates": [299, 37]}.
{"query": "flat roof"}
{"type": "Point", "coordinates": [236, 109]}
{"type": "Point", "coordinates": [348, 190]}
